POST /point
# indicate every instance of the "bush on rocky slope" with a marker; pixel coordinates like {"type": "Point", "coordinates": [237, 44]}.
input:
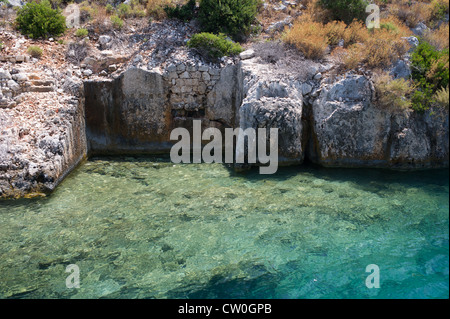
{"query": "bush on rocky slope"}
{"type": "Point", "coordinates": [346, 10]}
{"type": "Point", "coordinates": [214, 46]}
{"type": "Point", "coordinates": [430, 71]}
{"type": "Point", "coordinates": [232, 17]}
{"type": "Point", "coordinates": [40, 20]}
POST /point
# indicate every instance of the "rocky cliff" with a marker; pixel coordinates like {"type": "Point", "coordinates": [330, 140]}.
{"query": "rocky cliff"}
{"type": "Point", "coordinates": [334, 122]}
{"type": "Point", "coordinates": [41, 141]}
{"type": "Point", "coordinates": [136, 112]}
{"type": "Point", "coordinates": [350, 130]}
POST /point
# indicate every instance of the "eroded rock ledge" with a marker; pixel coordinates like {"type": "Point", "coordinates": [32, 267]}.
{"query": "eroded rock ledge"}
{"type": "Point", "coordinates": [41, 141]}
{"type": "Point", "coordinates": [331, 122]}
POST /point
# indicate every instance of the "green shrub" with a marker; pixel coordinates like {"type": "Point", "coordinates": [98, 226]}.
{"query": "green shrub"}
{"type": "Point", "coordinates": [116, 22]}
{"type": "Point", "coordinates": [124, 10]}
{"type": "Point", "coordinates": [109, 8]}
{"type": "Point", "coordinates": [81, 33]}
{"type": "Point", "coordinates": [388, 26]}
{"type": "Point", "coordinates": [34, 51]}
{"type": "Point", "coordinates": [214, 46]}
{"type": "Point", "coordinates": [185, 12]}
{"type": "Point", "coordinates": [430, 73]}
{"type": "Point", "coordinates": [346, 10]}
{"type": "Point", "coordinates": [40, 20]}
{"type": "Point", "coordinates": [233, 17]}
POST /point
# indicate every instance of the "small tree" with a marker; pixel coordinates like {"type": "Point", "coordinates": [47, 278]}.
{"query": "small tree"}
{"type": "Point", "coordinates": [40, 20]}
{"type": "Point", "coordinates": [232, 17]}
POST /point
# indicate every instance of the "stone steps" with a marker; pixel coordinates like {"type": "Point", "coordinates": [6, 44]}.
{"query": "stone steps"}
{"type": "Point", "coordinates": [41, 86]}
{"type": "Point", "coordinates": [36, 88]}
{"type": "Point", "coordinates": [14, 58]}
{"type": "Point", "coordinates": [43, 82]}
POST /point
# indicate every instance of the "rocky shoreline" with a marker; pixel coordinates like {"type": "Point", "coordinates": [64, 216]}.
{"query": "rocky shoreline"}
{"type": "Point", "coordinates": [333, 124]}
{"type": "Point", "coordinates": [117, 101]}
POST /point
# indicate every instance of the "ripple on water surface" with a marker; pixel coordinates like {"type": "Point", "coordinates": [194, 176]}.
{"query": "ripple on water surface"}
{"type": "Point", "coordinates": [145, 228]}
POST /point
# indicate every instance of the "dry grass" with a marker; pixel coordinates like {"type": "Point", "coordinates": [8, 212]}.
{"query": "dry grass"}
{"type": "Point", "coordinates": [393, 94]}
{"type": "Point", "coordinates": [96, 15]}
{"type": "Point", "coordinates": [310, 37]}
{"type": "Point", "coordinates": [349, 58]}
{"type": "Point", "coordinates": [316, 11]}
{"type": "Point", "coordinates": [373, 48]}
{"type": "Point", "coordinates": [441, 97]}
{"type": "Point", "coordinates": [384, 48]}
{"type": "Point", "coordinates": [438, 8]}
{"type": "Point", "coordinates": [434, 74]}
{"type": "Point", "coordinates": [438, 37]}
{"type": "Point", "coordinates": [356, 32]}
{"type": "Point", "coordinates": [411, 12]}
{"type": "Point", "coordinates": [155, 8]}
{"type": "Point", "coordinates": [336, 31]}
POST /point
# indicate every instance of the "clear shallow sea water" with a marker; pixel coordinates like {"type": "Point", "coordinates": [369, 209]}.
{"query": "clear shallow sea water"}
{"type": "Point", "coordinates": [145, 228]}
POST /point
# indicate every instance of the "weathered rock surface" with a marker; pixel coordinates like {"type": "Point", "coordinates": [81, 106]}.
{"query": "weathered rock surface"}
{"type": "Point", "coordinates": [41, 141]}
{"type": "Point", "coordinates": [129, 104]}
{"type": "Point", "coordinates": [272, 102]}
{"type": "Point", "coordinates": [137, 111]}
{"type": "Point", "coordinates": [350, 130]}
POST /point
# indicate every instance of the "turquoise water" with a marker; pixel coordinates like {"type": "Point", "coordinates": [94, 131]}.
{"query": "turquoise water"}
{"type": "Point", "coordinates": [146, 228]}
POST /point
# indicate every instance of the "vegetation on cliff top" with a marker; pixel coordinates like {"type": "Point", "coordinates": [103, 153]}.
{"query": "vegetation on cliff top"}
{"type": "Point", "coordinates": [318, 29]}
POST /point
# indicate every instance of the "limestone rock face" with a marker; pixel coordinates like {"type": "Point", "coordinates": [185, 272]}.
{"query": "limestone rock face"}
{"type": "Point", "coordinates": [36, 154]}
{"type": "Point", "coordinates": [128, 113]}
{"type": "Point", "coordinates": [226, 96]}
{"type": "Point", "coordinates": [136, 112]}
{"type": "Point", "coordinates": [350, 130]}
{"type": "Point", "coordinates": [275, 103]}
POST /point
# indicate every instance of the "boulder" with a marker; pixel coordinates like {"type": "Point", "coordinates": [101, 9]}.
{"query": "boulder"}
{"type": "Point", "coordinates": [420, 29]}
{"type": "Point", "coordinates": [104, 41]}
{"type": "Point", "coordinates": [248, 54]}
{"type": "Point", "coordinates": [401, 69]}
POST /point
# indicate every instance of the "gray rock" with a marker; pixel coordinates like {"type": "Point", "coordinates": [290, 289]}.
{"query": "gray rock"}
{"type": "Point", "coordinates": [318, 76]}
{"type": "Point", "coordinates": [4, 74]}
{"type": "Point", "coordinates": [13, 85]}
{"type": "Point", "coordinates": [16, 3]}
{"type": "Point", "coordinates": [248, 54]}
{"type": "Point", "coordinates": [51, 144]}
{"type": "Point", "coordinates": [306, 88]}
{"type": "Point", "coordinates": [419, 29]}
{"type": "Point", "coordinates": [279, 25]}
{"type": "Point", "coordinates": [413, 42]}
{"type": "Point", "coordinates": [401, 69]}
{"type": "Point", "coordinates": [20, 77]}
{"type": "Point", "coordinates": [138, 58]}
{"type": "Point", "coordinates": [275, 103]}
{"type": "Point", "coordinates": [104, 41]}
{"type": "Point", "coordinates": [87, 72]}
